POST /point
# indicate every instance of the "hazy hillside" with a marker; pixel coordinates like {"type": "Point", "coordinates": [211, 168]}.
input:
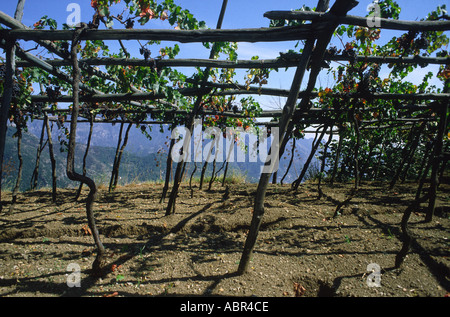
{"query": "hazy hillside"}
{"type": "Point", "coordinates": [106, 135]}
{"type": "Point", "coordinates": [99, 163]}
{"type": "Point", "coordinates": [143, 159]}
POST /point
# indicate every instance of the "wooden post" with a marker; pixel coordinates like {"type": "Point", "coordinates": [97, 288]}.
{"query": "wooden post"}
{"type": "Point", "coordinates": [113, 172]}
{"type": "Point", "coordinates": [52, 157]}
{"type": "Point", "coordinates": [403, 157]}
{"type": "Point", "coordinates": [436, 160]}
{"type": "Point", "coordinates": [6, 101]}
{"type": "Point", "coordinates": [18, 15]}
{"type": "Point", "coordinates": [337, 155]}
{"type": "Point", "coordinates": [168, 168]}
{"type": "Point", "coordinates": [119, 158]}
{"type": "Point", "coordinates": [88, 145]}
{"type": "Point", "coordinates": [40, 148]}
{"type": "Point", "coordinates": [340, 8]}
{"type": "Point", "coordinates": [322, 168]}
{"type": "Point", "coordinates": [19, 127]}
{"type": "Point", "coordinates": [291, 160]}
{"type": "Point", "coordinates": [10, 68]}
{"type": "Point", "coordinates": [190, 123]}
{"type": "Point", "coordinates": [314, 148]}
{"type": "Point", "coordinates": [356, 152]}
{"type": "Point", "coordinates": [287, 114]}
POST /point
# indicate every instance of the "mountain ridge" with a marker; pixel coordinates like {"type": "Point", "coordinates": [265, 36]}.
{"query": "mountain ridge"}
{"type": "Point", "coordinates": [143, 159]}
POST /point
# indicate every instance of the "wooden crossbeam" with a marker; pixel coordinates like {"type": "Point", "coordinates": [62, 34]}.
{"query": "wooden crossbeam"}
{"type": "Point", "coordinates": [390, 24]}
{"type": "Point", "coordinates": [277, 34]}
{"type": "Point", "coordinates": [239, 64]}
{"type": "Point", "coordinates": [120, 97]}
{"type": "Point", "coordinates": [274, 92]}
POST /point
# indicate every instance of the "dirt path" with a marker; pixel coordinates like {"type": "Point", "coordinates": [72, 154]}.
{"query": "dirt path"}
{"type": "Point", "coordinates": [301, 249]}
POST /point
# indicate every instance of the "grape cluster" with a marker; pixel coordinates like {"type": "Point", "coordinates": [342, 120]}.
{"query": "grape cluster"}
{"type": "Point", "coordinates": [412, 43]}
{"type": "Point", "coordinates": [53, 91]}
{"type": "Point", "coordinates": [2, 71]}
{"type": "Point", "coordinates": [95, 23]}
{"type": "Point", "coordinates": [152, 62]}
{"type": "Point", "coordinates": [406, 40]}
{"type": "Point", "coordinates": [145, 52]}
{"type": "Point", "coordinates": [350, 52]}
{"type": "Point", "coordinates": [155, 68]}
{"type": "Point", "coordinates": [65, 47]}
{"type": "Point", "coordinates": [230, 106]}
{"type": "Point", "coordinates": [364, 84]}
{"type": "Point", "coordinates": [331, 52]}
{"type": "Point", "coordinates": [16, 90]}
{"type": "Point", "coordinates": [422, 42]}
{"type": "Point", "coordinates": [129, 24]}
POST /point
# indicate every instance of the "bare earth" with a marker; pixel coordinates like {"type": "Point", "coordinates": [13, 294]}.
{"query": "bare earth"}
{"type": "Point", "coordinates": [301, 249]}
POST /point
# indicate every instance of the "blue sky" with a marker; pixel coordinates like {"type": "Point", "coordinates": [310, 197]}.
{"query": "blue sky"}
{"type": "Point", "coordinates": [240, 14]}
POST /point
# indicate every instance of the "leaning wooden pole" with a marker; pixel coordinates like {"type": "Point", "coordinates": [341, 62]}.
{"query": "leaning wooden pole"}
{"type": "Point", "coordinates": [52, 157]}
{"type": "Point", "coordinates": [314, 148]}
{"type": "Point", "coordinates": [168, 169]}
{"type": "Point", "coordinates": [437, 158]}
{"type": "Point", "coordinates": [86, 152]}
{"type": "Point", "coordinates": [40, 148]}
{"type": "Point", "coordinates": [10, 67]}
{"type": "Point", "coordinates": [322, 167]}
{"type": "Point", "coordinates": [258, 211]}
{"type": "Point", "coordinates": [113, 172]}
{"type": "Point", "coordinates": [20, 169]}
{"type": "Point", "coordinates": [99, 263]}
{"type": "Point", "coordinates": [190, 124]}
{"type": "Point", "coordinates": [6, 102]}
{"type": "Point", "coordinates": [119, 158]}
{"type": "Point", "coordinates": [340, 8]}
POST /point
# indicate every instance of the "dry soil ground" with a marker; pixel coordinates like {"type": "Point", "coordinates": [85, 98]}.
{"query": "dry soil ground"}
{"type": "Point", "coordinates": [301, 249]}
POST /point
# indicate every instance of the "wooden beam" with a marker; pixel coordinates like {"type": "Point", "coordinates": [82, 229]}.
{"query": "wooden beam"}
{"type": "Point", "coordinates": [239, 114]}
{"type": "Point", "coordinates": [56, 72]}
{"type": "Point", "coordinates": [130, 97]}
{"type": "Point", "coordinates": [239, 64]}
{"type": "Point", "coordinates": [120, 97]}
{"type": "Point", "coordinates": [252, 90]}
{"type": "Point", "coordinates": [360, 21]}
{"type": "Point", "coordinates": [277, 34]}
{"type": "Point", "coordinates": [51, 47]}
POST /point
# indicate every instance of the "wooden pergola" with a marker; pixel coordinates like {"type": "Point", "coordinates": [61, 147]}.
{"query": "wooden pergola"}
{"type": "Point", "coordinates": [317, 31]}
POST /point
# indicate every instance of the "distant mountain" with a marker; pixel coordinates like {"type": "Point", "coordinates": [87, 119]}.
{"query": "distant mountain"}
{"type": "Point", "coordinates": [143, 159]}
{"type": "Point", "coordinates": [106, 135]}
{"type": "Point", "coordinates": [133, 168]}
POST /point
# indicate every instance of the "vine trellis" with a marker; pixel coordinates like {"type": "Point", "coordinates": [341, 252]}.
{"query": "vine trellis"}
{"type": "Point", "coordinates": [314, 29]}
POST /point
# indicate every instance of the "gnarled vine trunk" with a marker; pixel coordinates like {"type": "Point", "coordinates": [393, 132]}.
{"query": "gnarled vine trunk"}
{"type": "Point", "coordinates": [324, 157]}
{"type": "Point", "coordinates": [168, 171]}
{"type": "Point", "coordinates": [35, 174]}
{"type": "Point", "coordinates": [19, 172]}
{"type": "Point", "coordinates": [99, 263]}
{"type": "Point", "coordinates": [86, 152]}
{"type": "Point", "coordinates": [314, 148]}
{"type": "Point", "coordinates": [52, 158]}
{"type": "Point", "coordinates": [118, 159]}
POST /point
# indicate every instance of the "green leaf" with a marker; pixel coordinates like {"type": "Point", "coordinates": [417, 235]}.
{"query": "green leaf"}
{"type": "Point", "coordinates": [119, 277]}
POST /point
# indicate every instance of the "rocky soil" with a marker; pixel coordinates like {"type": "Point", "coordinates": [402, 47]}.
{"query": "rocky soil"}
{"type": "Point", "coordinates": [301, 250]}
